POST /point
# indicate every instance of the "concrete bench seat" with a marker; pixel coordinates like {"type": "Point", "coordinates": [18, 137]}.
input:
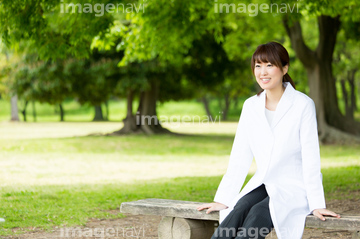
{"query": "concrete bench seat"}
{"type": "Point", "coordinates": [181, 219]}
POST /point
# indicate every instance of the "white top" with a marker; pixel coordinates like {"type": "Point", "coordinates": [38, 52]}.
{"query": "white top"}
{"type": "Point", "coordinates": [287, 156]}
{"type": "Point", "coordinates": [269, 115]}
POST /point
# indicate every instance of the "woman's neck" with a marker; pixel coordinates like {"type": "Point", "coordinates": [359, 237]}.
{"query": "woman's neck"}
{"type": "Point", "coordinates": [273, 97]}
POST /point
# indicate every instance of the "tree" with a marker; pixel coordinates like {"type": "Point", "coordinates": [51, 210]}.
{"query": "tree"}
{"type": "Point", "coordinates": [189, 32]}
{"type": "Point", "coordinates": [333, 126]}
{"type": "Point", "coordinates": [48, 31]}
{"type": "Point", "coordinates": [205, 66]}
{"type": "Point", "coordinates": [43, 81]}
{"type": "Point", "coordinates": [90, 81]}
{"type": "Point", "coordinates": [152, 81]}
{"type": "Point", "coordinates": [14, 109]}
{"type": "Point", "coordinates": [93, 80]}
{"type": "Point", "coordinates": [208, 68]}
{"type": "Point", "coordinates": [345, 64]}
{"type": "Point", "coordinates": [5, 69]}
{"type": "Point", "coordinates": [59, 36]}
{"type": "Point", "coordinates": [149, 80]}
{"type": "Point", "coordinates": [166, 31]}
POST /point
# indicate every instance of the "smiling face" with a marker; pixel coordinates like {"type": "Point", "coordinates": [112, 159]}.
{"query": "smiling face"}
{"type": "Point", "coordinates": [269, 76]}
{"type": "Point", "coordinates": [269, 63]}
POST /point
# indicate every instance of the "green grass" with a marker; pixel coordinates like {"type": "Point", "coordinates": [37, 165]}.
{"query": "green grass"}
{"type": "Point", "coordinates": [48, 206]}
{"type": "Point", "coordinates": [340, 183]}
{"type": "Point", "coordinates": [73, 205]}
{"type": "Point", "coordinates": [128, 145]}
{"type": "Point", "coordinates": [52, 174]}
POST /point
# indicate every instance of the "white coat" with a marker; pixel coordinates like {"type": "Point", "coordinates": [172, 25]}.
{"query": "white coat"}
{"type": "Point", "coordinates": [287, 158]}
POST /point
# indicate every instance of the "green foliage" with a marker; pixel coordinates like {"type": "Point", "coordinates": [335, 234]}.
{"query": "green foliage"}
{"type": "Point", "coordinates": [348, 10]}
{"type": "Point", "coordinates": [157, 41]}
{"type": "Point", "coordinates": [346, 56]}
{"type": "Point", "coordinates": [167, 29]}
{"type": "Point", "coordinates": [41, 81]}
{"type": "Point", "coordinates": [346, 69]}
{"type": "Point", "coordinates": [95, 79]}
{"type": "Point", "coordinates": [206, 65]}
{"type": "Point", "coordinates": [91, 81]}
{"type": "Point", "coordinates": [51, 33]}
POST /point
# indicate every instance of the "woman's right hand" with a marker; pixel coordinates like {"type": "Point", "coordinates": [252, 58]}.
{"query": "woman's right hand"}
{"type": "Point", "coordinates": [214, 206]}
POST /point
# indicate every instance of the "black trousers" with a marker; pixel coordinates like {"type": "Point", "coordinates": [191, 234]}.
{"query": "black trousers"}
{"type": "Point", "coordinates": [250, 218]}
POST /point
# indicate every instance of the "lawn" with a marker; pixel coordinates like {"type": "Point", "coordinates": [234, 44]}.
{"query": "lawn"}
{"type": "Point", "coordinates": [55, 174]}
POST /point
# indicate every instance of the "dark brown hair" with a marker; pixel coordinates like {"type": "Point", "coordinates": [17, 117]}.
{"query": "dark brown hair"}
{"type": "Point", "coordinates": [274, 53]}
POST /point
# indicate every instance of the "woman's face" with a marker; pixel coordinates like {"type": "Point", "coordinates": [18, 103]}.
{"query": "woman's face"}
{"type": "Point", "coordinates": [269, 76]}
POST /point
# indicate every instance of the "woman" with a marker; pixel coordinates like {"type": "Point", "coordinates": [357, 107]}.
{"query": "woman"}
{"type": "Point", "coordinates": [278, 127]}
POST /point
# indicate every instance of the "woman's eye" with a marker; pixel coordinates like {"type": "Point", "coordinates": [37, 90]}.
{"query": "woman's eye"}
{"type": "Point", "coordinates": [257, 66]}
{"type": "Point", "coordinates": [269, 65]}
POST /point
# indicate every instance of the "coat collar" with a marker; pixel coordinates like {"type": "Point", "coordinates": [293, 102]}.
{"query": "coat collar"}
{"type": "Point", "coordinates": [283, 106]}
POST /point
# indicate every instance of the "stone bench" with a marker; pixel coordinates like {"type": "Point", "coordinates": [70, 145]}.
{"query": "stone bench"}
{"type": "Point", "coordinates": [181, 219]}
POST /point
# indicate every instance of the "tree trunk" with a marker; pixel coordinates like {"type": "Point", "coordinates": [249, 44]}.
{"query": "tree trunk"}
{"type": "Point", "coordinates": [351, 80]}
{"type": "Point", "coordinates": [23, 112]}
{"type": "Point", "coordinates": [220, 104]}
{"type": "Point", "coordinates": [206, 106]}
{"type": "Point", "coordinates": [348, 112]}
{"type": "Point", "coordinates": [33, 110]}
{"type": "Point", "coordinates": [349, 98]}
{"type": "Point", "coordinates": [129, 122]}
{"type": "Point", "coordinates": [61, 113]}
{"type": "Point", "coordinates": [227, 105]}
{"type": "Point", "coordinates": [332, 125]}
{"type": "Point", "coordinates": [146, 120]}
{"type": "Point", "coordinates": [107, 110]}
{"type": "Point", "coordinates": [236, 102]}
{"type": "Point", "coordinates": [14, 108]}
{"type": "Point", "coordinates": [98, 113]}
{"type": "Point", "coordinates": [149, 122]}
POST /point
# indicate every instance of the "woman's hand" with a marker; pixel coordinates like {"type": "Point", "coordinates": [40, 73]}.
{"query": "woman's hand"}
{"type": "Point", "coordinates": [320, 213]}
{"type": "Point", "coordinates": [214, 206]}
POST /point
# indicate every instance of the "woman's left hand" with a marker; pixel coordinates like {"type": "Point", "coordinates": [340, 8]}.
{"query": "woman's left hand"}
{"type": "Point", "coordinates": [320, 213]}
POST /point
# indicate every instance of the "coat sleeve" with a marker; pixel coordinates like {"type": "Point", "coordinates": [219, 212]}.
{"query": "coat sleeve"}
{"type": "Point", "coordinates": [240, 160]}
{"type": "Point", "coordinates": [310, 153]}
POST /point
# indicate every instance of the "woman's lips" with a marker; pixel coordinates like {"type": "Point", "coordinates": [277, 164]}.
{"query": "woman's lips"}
{"type": "Point", "coordinates": [265, 80]}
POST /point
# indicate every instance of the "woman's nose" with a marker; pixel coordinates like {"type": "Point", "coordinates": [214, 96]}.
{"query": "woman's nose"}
{"type": "Point", "coordinates": [263, 71]}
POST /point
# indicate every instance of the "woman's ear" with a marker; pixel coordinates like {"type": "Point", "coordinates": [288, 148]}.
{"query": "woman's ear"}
{"type": "Point", "coordinates": [285, 69]}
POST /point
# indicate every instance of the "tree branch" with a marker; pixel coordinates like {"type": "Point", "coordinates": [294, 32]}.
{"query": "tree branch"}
{"type": "Point", "coordinates": [328, 29]}
{"type": "Point", "coordinates": [303, 52]}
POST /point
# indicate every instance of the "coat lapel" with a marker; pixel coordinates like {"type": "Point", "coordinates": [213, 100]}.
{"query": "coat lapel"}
{"type": "Point", "coordinates": [283, 106]}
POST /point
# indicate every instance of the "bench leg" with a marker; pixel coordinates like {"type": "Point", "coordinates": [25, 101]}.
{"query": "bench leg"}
{"type": "Point", "coordinates": [356, 235]}
{"type": "Point", "coordinates": [181, 228]}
